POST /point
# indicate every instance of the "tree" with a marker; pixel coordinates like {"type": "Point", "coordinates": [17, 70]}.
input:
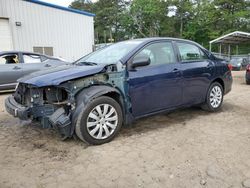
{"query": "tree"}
{"type": "Point", "coordinates": [82, 5]}
{"type": "Point", "coordinates": [147, 16]}
{"type": "Point", "coordinates": [198, 20]}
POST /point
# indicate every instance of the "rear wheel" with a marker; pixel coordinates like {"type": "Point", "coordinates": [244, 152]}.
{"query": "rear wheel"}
{"type": "Point", "coordinates": [99, 121]}
{"type": "Point", "coordinates": [214, 98]}
{"type": "Point", "coordinates": [248, 82]}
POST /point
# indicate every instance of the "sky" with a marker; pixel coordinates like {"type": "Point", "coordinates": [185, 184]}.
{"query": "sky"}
{"type": "Point", "coordinates": [64, 3]}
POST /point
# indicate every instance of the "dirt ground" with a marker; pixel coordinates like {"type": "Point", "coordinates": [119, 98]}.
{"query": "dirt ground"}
{"type": "Point", "coordinates": [187, 148]}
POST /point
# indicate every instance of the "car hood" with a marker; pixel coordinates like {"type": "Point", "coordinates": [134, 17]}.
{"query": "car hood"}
{"type": "Point", "coordinates": [60, 74]}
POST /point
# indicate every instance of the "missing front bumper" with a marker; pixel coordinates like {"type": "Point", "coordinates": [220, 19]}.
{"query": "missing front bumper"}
{"type": "Point", "coordinates": [48, 115]}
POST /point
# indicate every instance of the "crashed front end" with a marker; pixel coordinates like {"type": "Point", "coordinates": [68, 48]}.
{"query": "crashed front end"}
{"type": "Point", "coordinates": [51, 106]}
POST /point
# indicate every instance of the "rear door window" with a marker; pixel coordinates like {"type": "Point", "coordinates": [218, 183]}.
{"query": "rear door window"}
{"type": "Point", "coordinates": [190, 52]}
{"type": "Point", "coordinates": [31, 58]}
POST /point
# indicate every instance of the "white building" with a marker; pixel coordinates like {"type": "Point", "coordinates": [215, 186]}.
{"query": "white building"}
{"type": "Point", "coordinates": [31, 25]}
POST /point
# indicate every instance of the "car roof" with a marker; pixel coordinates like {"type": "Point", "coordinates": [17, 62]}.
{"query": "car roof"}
{"type": "Point", "coordinates": [153, 39]}
{"type": "Point", "coordinates": [162, 38]}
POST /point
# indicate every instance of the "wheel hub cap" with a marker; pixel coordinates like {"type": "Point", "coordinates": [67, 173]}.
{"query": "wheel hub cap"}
{"type": "Point", "coordinates": [215, 97]}
{"type": "Point", "coordinates": [102, 121]}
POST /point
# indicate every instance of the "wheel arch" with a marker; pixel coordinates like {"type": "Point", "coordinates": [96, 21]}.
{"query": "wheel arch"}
{"type": "Point", "coordinates": [220, 81]}
{"type": "Point", "coordinates": [87, 94]}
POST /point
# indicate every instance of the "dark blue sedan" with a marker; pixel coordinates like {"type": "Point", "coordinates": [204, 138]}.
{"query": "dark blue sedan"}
{"type": "Point", "coordinates": [118, 84]}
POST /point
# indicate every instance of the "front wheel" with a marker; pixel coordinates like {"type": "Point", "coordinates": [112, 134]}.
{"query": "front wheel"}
{"type": "Point", "coordinates": [214, 97]}
{"type": "Point", "coordinates": [99, 121]}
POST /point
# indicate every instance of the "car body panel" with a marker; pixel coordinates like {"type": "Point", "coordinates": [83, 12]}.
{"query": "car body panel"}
{"type": "Point", "coordinates": [154, 88]}
{"type": "Point", "coordinates": [196, 79]}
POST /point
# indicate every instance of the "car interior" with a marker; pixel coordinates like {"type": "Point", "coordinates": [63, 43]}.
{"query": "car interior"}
{"type": "Point", "coordinates": [9, 59]}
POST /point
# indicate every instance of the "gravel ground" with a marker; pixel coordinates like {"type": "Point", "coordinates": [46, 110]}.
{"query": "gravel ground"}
{"type": "Point", "coordinates": [186, 148]}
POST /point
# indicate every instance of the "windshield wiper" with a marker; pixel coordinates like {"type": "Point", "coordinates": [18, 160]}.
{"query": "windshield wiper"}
{"type": "Point", "coordinates": [86, 63]}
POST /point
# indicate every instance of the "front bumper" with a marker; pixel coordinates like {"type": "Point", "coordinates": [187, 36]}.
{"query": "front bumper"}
{"type": "Point", "coordinates": [16, 109]}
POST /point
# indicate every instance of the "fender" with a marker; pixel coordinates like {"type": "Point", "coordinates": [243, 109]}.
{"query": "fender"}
{"type": "Point", "coordinates": [88, 94]}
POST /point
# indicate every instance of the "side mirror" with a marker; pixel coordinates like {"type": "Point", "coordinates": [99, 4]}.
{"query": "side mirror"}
{"type": "Point", "coordinates": [140, 61]}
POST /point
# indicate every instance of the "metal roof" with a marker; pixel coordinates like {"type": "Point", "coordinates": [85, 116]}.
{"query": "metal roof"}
{"type": "Point", "coordinates": [236, 37]}
{"type": "Point", "coordinates": [61, 8]}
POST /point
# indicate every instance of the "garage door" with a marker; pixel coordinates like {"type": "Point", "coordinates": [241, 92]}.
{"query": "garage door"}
{"type": "Point", "coordinates": [5, 35]}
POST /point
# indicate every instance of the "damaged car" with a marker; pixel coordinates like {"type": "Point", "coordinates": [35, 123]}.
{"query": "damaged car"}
{"type": "Point", "coordinates": [116, 85]}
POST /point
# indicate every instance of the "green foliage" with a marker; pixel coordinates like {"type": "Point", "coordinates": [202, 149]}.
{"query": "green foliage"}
{"type": "Point", "coordinates": [198, 20]}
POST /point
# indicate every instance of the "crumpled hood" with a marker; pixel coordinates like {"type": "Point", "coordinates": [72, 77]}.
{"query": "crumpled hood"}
{"type": "Point", "coordinates": [55, 76]}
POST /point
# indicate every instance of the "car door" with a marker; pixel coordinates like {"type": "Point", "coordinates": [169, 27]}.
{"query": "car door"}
{"type": "Point", "coordinates": [10, 70]}
{"type": "Point", "coordinates": [157, 86]}
{"type": "Point", "coordinates": [197, 71]}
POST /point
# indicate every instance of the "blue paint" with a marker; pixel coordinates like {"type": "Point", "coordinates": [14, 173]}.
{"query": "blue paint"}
{"type": "Point", "coordinates": [62, 8]}
{"type": "Point", "coordinates": [60, 74]}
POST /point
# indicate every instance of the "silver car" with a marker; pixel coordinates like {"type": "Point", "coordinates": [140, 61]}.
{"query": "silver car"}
{"type": "Point", "coordinates": [16, 64]}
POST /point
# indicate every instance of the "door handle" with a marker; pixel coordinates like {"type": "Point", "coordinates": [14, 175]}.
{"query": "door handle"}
{"type": "Point", "coordinates": [175, 70]}
{"type": "Point", "coordinates": [210, 65]}
{"type": "Point", "coordinates": [47, 65]}
{"type": "Point", "coordinates": [16, 68]}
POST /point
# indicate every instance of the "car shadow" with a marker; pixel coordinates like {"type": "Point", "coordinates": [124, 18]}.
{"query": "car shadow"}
{"type": "Point", "coordinates": [176, 118]}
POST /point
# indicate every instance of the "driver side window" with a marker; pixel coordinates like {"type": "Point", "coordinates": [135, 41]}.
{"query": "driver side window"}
{"type": "Point", "coordinates": [158, 53]}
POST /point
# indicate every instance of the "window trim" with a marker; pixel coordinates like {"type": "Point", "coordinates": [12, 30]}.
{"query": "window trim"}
{"type": "Point", "coordinates": [129, 62]}
{"type": "Point", "coordinates": [190, 43]}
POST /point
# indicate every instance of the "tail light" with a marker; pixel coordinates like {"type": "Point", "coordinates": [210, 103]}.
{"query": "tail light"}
{"type": "Point", "coordinates": [230, 67]}
{"type": "Point", "coordinates": [248, 68]}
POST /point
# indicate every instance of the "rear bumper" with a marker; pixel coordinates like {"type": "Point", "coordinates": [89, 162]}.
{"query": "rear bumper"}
{"type": "Point", "coordinates": [228, 81]}
{"type": "Point", "coordinates": [16, 109]}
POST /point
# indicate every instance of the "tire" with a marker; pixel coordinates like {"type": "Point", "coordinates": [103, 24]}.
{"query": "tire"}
{"type": "Point", "coordinates": [214, 98]}
{"type": "Point", "coordinates": [248, 82]}
{"type": "Point", "coordinates": [93, 126]}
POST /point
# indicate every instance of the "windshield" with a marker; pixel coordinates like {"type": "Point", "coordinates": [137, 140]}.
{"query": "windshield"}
{"type": "Point", "coordinates": [111, 54]}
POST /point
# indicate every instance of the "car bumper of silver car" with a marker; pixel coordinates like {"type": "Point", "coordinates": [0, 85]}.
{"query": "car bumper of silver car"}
{"type": "Point", "coordinates": [16, 109]}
